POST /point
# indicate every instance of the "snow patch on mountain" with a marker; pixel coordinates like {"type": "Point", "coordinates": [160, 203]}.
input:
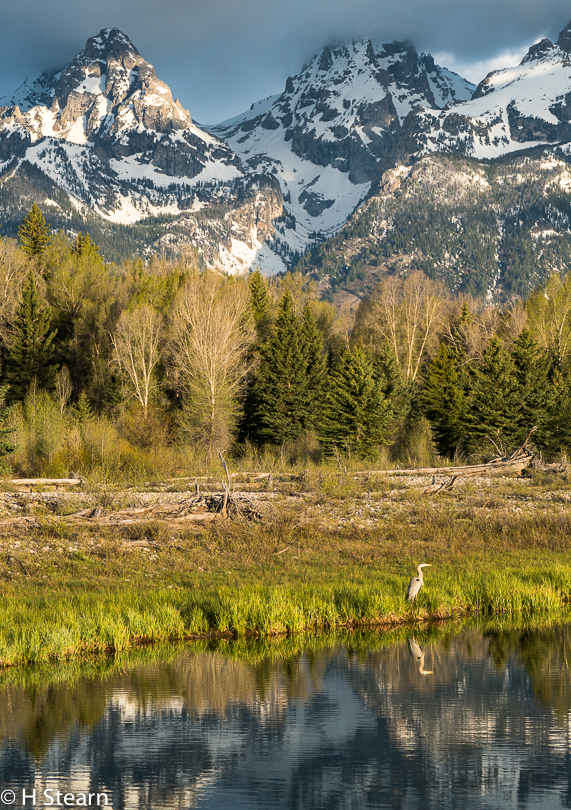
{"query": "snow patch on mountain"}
{"type": "Point", "coordinates": [134, 168]}
{"type": "Point", "coordinates": [324, 135]}
{"type": "Point", "coordinates": [512, 109]}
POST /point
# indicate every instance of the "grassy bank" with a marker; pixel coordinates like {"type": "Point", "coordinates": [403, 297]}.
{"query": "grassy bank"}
{"type": "Point", "coordinates": [40, 625]}
{"type": "Point", "coordinates": [336, 553]}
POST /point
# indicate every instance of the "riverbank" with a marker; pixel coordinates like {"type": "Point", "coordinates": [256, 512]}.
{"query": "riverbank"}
{"type": "Point", "coordinates": [336, 551]}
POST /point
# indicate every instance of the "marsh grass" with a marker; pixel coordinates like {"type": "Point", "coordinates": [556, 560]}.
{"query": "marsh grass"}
{"type": "Point", "coordinates": [46, 626]}
{"type": "Point", "coordinates": [323, 562]}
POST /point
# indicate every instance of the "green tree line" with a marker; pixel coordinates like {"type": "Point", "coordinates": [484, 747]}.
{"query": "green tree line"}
{"type": "Point", "coordinates": [142, 359]}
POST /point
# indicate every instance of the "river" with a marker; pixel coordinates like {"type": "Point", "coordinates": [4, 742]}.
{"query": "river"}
{"type": "Point", "coordinates": [467, 717]}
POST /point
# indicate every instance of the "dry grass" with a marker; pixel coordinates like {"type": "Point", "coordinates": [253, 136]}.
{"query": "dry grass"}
{"type": "Point", "coordinates": [339, 550]}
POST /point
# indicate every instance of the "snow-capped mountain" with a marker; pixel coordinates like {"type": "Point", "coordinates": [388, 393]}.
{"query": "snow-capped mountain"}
{"type": "Point", "coordinates": [104, 143]}
{"type": "Point", "coordinates": [108, 107]}
{"type": "Point", "coordinates": [512, 109]}
{"type": "Point", "coordinates": [108, 132]}
{"type": "Point", "coordinates": [324, 135]}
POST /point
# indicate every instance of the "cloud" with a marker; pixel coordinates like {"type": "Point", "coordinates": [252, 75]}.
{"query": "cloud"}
{"type": "Point", "coordinates": [219, 56]}
{"type": "Point", "coordinates": [477, 70]}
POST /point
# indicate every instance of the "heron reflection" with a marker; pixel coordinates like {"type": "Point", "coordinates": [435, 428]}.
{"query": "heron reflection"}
{"type": "Point", "coordinates": [417, 654]}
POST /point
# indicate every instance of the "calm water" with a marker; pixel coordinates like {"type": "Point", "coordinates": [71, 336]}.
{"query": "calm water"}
{"type": "Point", "coordinates": [470, 719]}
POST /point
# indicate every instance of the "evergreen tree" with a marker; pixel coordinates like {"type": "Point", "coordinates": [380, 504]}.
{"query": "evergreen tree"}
{"type": "Point", "coordinates": [536, 391]}
{"type": "Point", "coordinates": [30, 356]}
{"type": "Point", "coordinates": [83, 245]}
{"type": "Point", "coordinates": [397, 388]}
{"type": "Point", "coordinates": [34, 234]}
{"type": "Point", "coordinates": [494, 398]}
{"type": "Point", "coordinates": [260, 304]}
{"type": "Point", "coordinates": [356, 414]}
{"type": "Point", "coordinates": [443, 401]}
{"type": "Point", "coordinates": [279, 397]}
{"type": "Point", "coordinates": [82, 411]}
{"type": "Point", "coordinates": [316, 368]}
{"type": "Point", "coordinates": [6, 446]}
{"type": "Point", "coordinates": [460, 328]}
{"type": "Point", "coordinates": [556, 427]}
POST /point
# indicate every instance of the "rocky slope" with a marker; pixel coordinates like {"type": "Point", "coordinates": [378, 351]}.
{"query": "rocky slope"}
{"type": "Point", "coordinates": [108, 132]}
{"type": "Point", "coordinates": [512, 109]}
{"type": "Point", "coordinates": [324, 135]}
{"type": "Point", "coordinates": [499, 229]}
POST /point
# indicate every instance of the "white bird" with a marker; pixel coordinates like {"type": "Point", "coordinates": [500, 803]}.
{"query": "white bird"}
{"type": "Point", "coordinates": [416, 583]}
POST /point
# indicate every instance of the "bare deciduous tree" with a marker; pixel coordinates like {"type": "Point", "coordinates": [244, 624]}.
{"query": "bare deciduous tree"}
{"type": "Point", "coordinates": [136, 344]}
{"type": "Point", "coordinates": [470, 335]}
{"type": "Point", "coordinates": [14, 267]}
{"type": "Point", "coordinates": [549, 316]}
{"type": "Point", "coordinates": [64, 388]}
{"type": "Point", "coordinates": [408, 313]}
{"type": "Point", "coordinates": [211, 337]}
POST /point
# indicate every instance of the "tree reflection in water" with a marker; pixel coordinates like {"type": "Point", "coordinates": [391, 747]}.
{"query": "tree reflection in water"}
{"type": "Point", "coordinates": [307, 723]}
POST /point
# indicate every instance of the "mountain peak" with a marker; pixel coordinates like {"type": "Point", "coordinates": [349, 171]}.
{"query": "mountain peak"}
{"type": "Point", "coordinates": [109, 41]}
{"type": "Point", "coordinates": [564, 40]}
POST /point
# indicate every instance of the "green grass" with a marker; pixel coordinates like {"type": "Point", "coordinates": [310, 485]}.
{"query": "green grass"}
{"type": "Point", "coordinates": [41, 626]}
{"type": "Point", "coordinates": [322, 563]}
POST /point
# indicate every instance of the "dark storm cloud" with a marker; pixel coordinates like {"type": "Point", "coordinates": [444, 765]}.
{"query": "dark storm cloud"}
{"type": "Point", "coordinates": [219, 56]}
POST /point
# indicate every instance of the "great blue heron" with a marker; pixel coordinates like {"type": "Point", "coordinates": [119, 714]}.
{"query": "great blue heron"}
{"type": "Point", "coordinates": [417, 654]}
{"type": "Point", "coordinates": [416, 583]}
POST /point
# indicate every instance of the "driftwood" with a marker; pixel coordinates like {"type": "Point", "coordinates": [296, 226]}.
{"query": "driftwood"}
{"type": "Point", "coordinates": [237, 505]}
{"type": "Point", "coordinates": [193, 508]}
{"type": "Point", "coordinates": [516, 462]}
{"type": "Point", "coordinates": [500, 467]}
{"type": "Point", "coordinates": [45, 482]}
{"type": "Point", "coordinates": [197, 508]}
{"type": "Point", "coordinates": [436, 489]}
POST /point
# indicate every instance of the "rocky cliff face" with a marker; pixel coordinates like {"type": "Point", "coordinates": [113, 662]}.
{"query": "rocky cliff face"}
{"type": "Point", "coordinates": [108, 132]}
{"type": "Point", "coordinates": [324, 135]}
{"type": "Point", "coordinates": [512, 109]}
{"type": "Point", "coordinates": [110, 98]}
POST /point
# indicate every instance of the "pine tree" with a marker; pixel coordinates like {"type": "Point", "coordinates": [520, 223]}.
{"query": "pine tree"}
{"type": "Point", "coordinates": [83, 245]}
{"type": "Point", "coordinates": [494, 398]}
{"type": "Point", "coordinates": [397, 388]}
{"type": "Point", "coordinates": [278, 401]}
{"type": "Point", "coordinates": [34, 234]}
{"type": "Point", "coordinates": [356, 415]}
{"type": "Point", "coordinates": [556, 427]}
{"type": "Point", "coordinates": [6, 446]}
{"type": "Point", "coordinates": [443, 401]}
{"type": "Point", "coordinates": [536, 391]}
{"type": "Point", "coordinates": [260, 304]}
{"type": "Point", "coordinates": [316, 368]}
{"type": "Point", "coordinates": [83, 411]}
{"type": "Point", "coordinates": [30, 356]}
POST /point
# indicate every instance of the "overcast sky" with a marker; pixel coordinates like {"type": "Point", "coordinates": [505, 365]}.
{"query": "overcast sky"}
{"type": "Point", "coordinates": [219, 56]}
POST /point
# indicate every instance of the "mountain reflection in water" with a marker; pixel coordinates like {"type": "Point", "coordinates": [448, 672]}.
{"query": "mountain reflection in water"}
{"type": "Point", "coordinates": [349, 724]}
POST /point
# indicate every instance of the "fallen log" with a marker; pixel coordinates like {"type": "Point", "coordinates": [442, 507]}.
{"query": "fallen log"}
{"type": "Point", "coordinates": [45, 482]}
{"type": "Point", "coordinates": [496, 467]}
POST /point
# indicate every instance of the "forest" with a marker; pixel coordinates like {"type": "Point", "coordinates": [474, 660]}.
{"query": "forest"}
{"type": "Point", "coordinates": [496, 229]}
{"type": "Point", "coordinates": [146, 368]}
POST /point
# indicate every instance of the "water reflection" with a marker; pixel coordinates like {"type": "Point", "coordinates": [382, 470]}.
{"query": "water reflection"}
{"type": "Point", "coordinates": [338, 724]}
{"type": "Point", "coordinates": [418, 654]}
